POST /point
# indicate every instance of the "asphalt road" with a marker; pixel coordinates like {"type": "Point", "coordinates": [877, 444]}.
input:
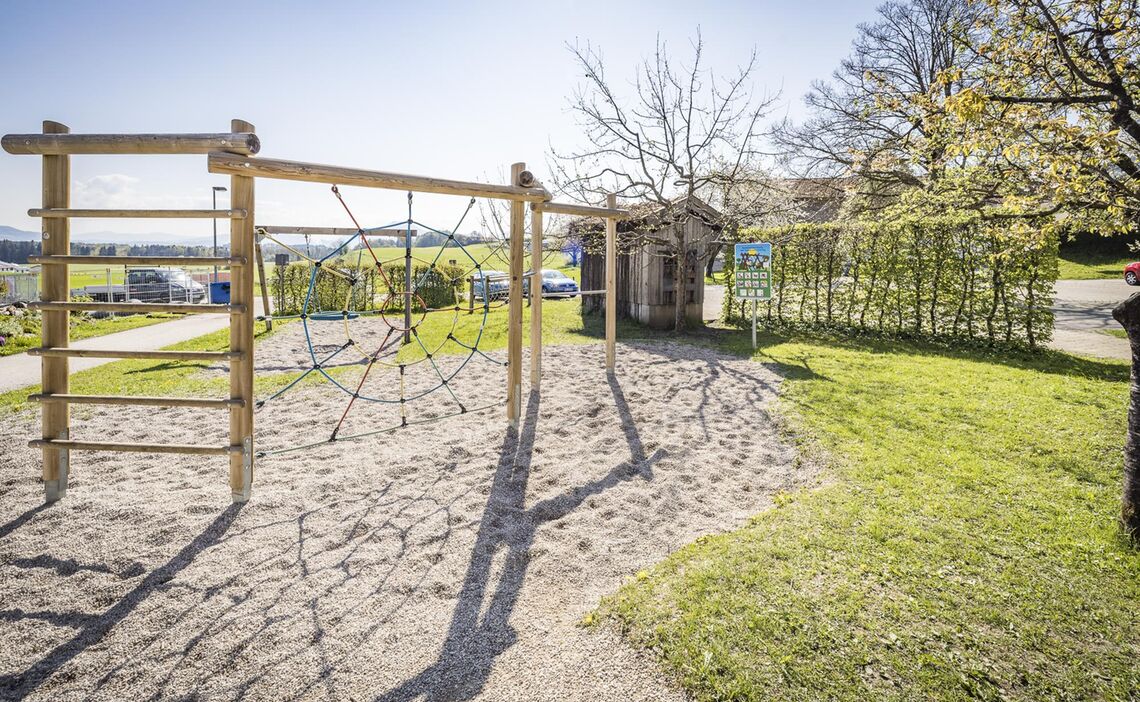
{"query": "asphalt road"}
{"type": "Point", "coordinates": [1083, 310]}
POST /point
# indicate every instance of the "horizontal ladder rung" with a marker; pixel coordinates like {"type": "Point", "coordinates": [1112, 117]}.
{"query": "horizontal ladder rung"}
{"type": "Point", "coordinates": [59, 213]}
{"type": "Point", "coordinates": [134, 448]}
{"type": "Point", "coordinates": [141, 400]}
{"type": "Point", "coordinates": [150, 355]}
{"type": "Point", "coordinates": [137, 307]}
{"type": "Point", "coordinates": [142, 260]}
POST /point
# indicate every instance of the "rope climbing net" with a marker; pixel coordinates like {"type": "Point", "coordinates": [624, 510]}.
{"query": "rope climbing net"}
{"type": "Point", "coordinates": [383, 309]}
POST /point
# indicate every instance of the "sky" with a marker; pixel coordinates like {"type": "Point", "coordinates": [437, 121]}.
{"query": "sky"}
{"type": "Point", "coordinates": [453, 90]}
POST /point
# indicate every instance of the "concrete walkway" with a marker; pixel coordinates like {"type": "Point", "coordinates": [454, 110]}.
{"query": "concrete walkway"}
{"type": "Point", "coordinates": [21, 370]}
{"type": "Point", "coordinates": [1083, 311]}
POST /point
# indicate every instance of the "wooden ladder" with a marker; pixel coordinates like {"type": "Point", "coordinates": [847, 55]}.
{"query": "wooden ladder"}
{"type": "Point", "coordinates": [56, 145]}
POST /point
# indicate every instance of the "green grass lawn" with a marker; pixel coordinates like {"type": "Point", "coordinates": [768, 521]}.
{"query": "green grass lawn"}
{"type": "Point", "coordinates": [1118, 333]}
{"type": "Point", "coordinates": [964, 544]}
{"type": "Point", "coordinates": [1089, 266]}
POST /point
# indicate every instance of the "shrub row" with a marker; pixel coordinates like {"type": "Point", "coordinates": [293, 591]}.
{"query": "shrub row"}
{"type": "Point", "coordinates": [364, 289]}
{"type": "Point", "coordinates": [954, 278]}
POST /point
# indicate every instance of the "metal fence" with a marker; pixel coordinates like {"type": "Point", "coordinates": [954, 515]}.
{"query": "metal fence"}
{"type": "Point", "coordinates": [19, 286]}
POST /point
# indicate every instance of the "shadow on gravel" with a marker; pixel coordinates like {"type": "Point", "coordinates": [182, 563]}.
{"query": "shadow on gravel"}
{"type": "Point", "coordinates": [473, 641]}
{"type": "Point", "coordinates": [92, 628]}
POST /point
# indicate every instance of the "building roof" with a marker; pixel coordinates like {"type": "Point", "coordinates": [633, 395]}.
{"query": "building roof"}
{"type": "Point", "coordinates": [5, 266]}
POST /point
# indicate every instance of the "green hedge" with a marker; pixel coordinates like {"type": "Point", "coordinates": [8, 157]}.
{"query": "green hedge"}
{"type": "Point", "coordinates": [951, 278]}
{"type": "Point", "coordinates": [440, 287]}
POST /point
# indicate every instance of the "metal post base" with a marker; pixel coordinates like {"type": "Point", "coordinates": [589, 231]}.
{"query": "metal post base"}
{"type": "Point", "coordinates": [56, 490]}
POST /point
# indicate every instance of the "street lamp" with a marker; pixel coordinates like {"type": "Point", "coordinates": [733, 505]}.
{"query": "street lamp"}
{"type": "Point", "coordinates": [217, 189]}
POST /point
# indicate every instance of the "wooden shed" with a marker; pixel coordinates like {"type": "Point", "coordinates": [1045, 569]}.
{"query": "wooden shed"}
{"type": "Point", "coordinates": [645, 286]}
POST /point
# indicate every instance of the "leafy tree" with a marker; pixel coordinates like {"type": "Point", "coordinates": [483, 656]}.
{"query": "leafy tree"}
{"type": "Point", "coordinates": [1055, 113]}
{"type": "Point", "coordinates": [881, 116]}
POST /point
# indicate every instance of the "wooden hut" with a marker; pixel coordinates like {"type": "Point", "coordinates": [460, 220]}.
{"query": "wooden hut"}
{"type": "Point", "coordinates": [645, 285]}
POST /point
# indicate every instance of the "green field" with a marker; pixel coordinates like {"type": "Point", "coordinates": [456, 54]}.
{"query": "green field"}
{"type": "Point", "coordinates": [1092, 266]}
{"type": "Point", "coordinates": [964, 545]}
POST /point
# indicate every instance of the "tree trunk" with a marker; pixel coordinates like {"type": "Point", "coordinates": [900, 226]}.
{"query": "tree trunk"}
{"type": "Point", "coordinates": [1127, 313]}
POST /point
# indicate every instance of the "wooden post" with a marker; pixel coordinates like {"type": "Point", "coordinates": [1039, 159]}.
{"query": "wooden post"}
{"type": "Point", "coordinates": [470, 294]}
{"type": "Point", "coordinates": [611, 283]}
{"type": "Point", "coordinates": [55, 323]}
{"type": "Point", "coordinates": [264, 286]}
{"type": "Point", "coordinates": [514, 310]}
{"type": "Point", "coordinates": [535, 298]}
{"type": "Point", "coordinates": [241, 332]}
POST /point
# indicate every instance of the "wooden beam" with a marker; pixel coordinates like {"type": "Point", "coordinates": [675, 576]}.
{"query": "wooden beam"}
{"type": "Point", "coordinates": [140, 400]}
{"type": "Point", "coordinates": [124, 353]}
{"type": "Point", "coordinates": [133, 307]}
{"type": "Point", "coordinates": [59, 444]}
{"type": "Point", "coordinates": [141, 260]}
{"type": "Point", "coordinates": [56, 417]}
{"type": "Point", "coordinates": [242, 243]}
{"type": "Point", "coordinates": [63, 143]}
{"type": "Point", "coordinates": [514, 310]}
{"type": "Point", "coordinates": [611, 284]}
{"type": "Point", "coordinates": [536, 298]}
{"type": "Point", "coordinates": [334, 231]}
{"type": "Point", "coordinates": [227, 164]}
{"type": "Point", "coordinates": [568, 208]}
{"type": "Point", "coordinates": [136, 214]}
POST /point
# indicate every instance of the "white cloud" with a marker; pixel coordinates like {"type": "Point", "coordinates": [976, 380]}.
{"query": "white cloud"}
{"type": "Point", "coordinates": [112, 190]}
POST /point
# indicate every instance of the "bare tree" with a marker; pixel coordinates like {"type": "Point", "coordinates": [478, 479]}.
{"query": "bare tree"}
{"type": "Point", "coordinates": [680, 134]}
{"type": "Point", "coordinates": [877, 117]}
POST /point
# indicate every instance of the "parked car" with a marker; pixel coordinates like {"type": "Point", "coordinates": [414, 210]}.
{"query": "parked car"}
{"type": "Point", "coordinates": [1132, 273]}
{"type": "Point", "coordinates": [151, 285]}
{"type": "Point", "coordinates": [498, 284]}
{"type": "Point", "coordinates": [557, 283]}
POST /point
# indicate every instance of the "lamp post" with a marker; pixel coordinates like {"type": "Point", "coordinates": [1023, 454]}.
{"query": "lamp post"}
{"type": "Point", "coordinates": [217, 189]}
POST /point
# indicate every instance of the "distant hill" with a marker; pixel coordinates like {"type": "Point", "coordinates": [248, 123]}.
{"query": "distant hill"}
{"type": "Point", "coordinates": [13, 234]}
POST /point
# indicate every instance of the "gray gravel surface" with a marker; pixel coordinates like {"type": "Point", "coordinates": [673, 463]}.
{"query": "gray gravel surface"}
{"type": "Point", "coordinates": [445, 561]}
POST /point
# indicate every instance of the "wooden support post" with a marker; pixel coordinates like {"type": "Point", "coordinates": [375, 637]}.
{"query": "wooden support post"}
{"type": "Point", "coordinates": [514, 310]}
{"type": "Point", "coordinates": [470, 294]}
{"type": "Point", "coordinates": [611, 283]}
{"type": "Point", "coordinates": [268, 313]}
{"type": "Point", "coordinates": [535, 298]}
{"type": "Point", "coordinates": [242, 245]}
{"type": "Point", "coordinates": [55, 323]}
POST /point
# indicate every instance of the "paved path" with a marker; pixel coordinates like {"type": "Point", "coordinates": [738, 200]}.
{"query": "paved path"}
{"type": "Point", "coordinates": [714, 301]}
{"type": "Point", "coordinates": [21, 370]}
{"type": "Point", "coordinates": [1083, 310]}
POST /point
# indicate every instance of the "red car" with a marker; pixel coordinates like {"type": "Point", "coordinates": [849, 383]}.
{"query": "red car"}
{"type": "Point", "coordinates": [1132, 273]}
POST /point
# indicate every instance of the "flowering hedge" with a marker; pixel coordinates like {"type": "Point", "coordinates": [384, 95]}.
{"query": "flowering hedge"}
{"type": "Point", "coordinates": [957, 278]}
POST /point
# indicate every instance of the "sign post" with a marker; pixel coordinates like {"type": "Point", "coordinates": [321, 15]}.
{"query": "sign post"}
{"type": "Point", "coordinates": [753, 276]}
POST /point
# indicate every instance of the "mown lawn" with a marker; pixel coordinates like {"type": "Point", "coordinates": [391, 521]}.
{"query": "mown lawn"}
{"type": "Point", "coordinates": [1091, 266]}
{"type": "Point", "coordinates": [964, 544]}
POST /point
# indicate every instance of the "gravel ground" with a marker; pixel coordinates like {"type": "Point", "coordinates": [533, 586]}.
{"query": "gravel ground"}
{"type": "Point", "coordinates": [445, 561]}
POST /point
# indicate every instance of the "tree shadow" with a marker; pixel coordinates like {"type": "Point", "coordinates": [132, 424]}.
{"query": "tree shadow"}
{"type": "Point", "coordinates": [92, 628]}
{"type": "Point", "coordinates": [477, 635]}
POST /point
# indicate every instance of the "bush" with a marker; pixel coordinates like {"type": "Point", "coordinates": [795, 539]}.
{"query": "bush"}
{"type": "Point", "coordinates": [956, 278]}
{"type": "Point", "coordinates": [364, 289]}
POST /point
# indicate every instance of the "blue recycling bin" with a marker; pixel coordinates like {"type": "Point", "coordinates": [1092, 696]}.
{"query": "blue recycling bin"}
{"type": "Point", "coordinates": [220, 293]}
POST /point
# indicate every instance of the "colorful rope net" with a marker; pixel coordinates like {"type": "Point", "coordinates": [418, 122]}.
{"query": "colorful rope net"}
{"type": "Point", "coordinates": [404, 339]}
